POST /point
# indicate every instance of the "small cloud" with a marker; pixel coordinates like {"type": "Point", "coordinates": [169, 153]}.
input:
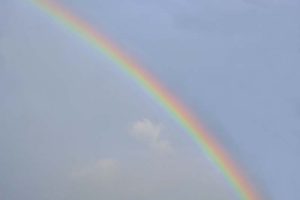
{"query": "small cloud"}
{"type": "Point", "coordinates": [271, 2]}
{"type": "Point", "coordinates": [150, 133]}
{"type": "Point", "coordinates": [103, 170]}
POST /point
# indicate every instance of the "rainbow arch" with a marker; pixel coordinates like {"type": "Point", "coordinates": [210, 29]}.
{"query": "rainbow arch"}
{"type": "Point", "coordinates": [184, 117]}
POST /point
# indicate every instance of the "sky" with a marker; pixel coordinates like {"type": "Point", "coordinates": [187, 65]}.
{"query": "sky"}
{"type": "Point", "coordinates": [73, 126]}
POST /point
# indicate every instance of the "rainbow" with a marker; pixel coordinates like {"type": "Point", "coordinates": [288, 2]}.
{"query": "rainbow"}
{"type": "Point", "coordinates": [156, 90]}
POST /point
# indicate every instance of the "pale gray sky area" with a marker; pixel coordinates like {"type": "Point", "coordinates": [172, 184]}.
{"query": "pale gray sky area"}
{"type": "Point", "coordinates": [73, 126]}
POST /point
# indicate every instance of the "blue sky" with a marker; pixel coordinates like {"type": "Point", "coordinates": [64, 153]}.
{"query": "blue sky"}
{"type": "Point", "coordinates": [72, 126]}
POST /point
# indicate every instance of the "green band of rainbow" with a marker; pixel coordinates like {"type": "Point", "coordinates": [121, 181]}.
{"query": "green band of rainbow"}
{"type": "Point", "coordinates": [155, 89]}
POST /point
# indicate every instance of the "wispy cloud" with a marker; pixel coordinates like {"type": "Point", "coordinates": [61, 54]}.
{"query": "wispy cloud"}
{"type": "Point", "coordinates": [271, 2]}
{"type": "Point", "coordinates": [150, 133]}
{"type": "Point", "coordinates": [176, 178]}
{"type": "Point", "coordinates": [104, 170]}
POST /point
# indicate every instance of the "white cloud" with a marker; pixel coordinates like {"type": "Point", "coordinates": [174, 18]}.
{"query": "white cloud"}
{"type": "Point", "coordinates": [175, 178]}
{"type": "Point", "coordinates": [271, 2]}
{"type": "Point", "coordinates": [104, 170]}
{"type": "Point", "coordinates": [150, 133]}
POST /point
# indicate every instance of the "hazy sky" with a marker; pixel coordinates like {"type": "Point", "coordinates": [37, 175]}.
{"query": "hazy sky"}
{"type": "Point", "coordinates": [73, 126]}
